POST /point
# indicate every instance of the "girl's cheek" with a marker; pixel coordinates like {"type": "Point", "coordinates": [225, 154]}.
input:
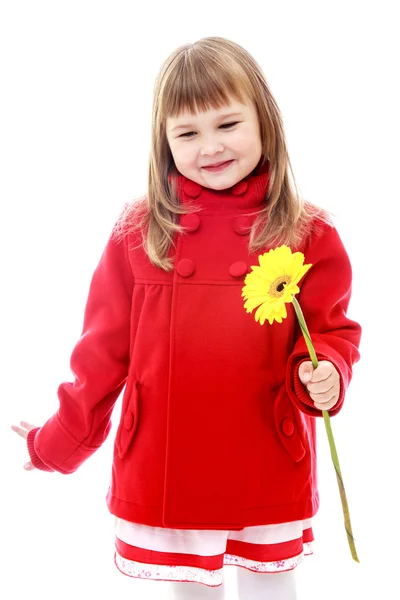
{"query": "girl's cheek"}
{"type": "Point", "coordinates": [241, 141]}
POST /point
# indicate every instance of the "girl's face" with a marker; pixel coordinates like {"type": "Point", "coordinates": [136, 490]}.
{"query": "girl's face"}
{"type": "Point", "coordinates": [199, 142]}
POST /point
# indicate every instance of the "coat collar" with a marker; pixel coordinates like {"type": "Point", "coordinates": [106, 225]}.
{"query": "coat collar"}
{"type": "Point", "coordinates": [248, 193]}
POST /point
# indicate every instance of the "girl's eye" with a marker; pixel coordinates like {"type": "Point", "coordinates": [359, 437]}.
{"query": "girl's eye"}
{"type": "Point", "coordinates": [224, 126]}
{"type": "Point", "coordinates": [230, 124]}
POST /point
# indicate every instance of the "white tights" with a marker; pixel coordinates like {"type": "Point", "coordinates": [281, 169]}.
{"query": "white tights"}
{"type": "Point", "coordinates": [250, 586]}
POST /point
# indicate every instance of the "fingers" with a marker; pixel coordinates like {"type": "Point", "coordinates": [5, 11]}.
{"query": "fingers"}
{"type": "Point", "coordinates": [24, 429]}
{"type": "Point", "coordinates": [29, 466]}
{"type": "Point", "coordinates": [306, 371]}
{"type": "Point", "coordinates": [23, 432]}
{"type": "Point", "coordinates": [325, 401]}
{"type": "Point", "coordinates": [322, 388]}
{"type": "Point", "coordinates": [27, 425]}
{"type": "Point", "coordinates": [322, 383]}
{"type": "Point", "coordinates": [323, 371]}
{"type": "Point", "coordinates": [327, 405]}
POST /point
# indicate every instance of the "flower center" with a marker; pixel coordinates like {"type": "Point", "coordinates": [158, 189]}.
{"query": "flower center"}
{"type": "Point", "coordinates": [278, 286]}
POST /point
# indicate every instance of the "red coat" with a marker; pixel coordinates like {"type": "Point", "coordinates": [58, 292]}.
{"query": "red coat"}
{"type": "Point", "coordinates": [216, 430]}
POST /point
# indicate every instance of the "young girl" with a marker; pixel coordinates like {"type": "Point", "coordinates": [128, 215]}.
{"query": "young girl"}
{"type": "Point", "coordinates": [214, 457]}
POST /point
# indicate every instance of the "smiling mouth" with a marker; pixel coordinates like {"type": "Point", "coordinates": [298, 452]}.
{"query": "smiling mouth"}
{"type": "Point", "coordinates": [218, 166]}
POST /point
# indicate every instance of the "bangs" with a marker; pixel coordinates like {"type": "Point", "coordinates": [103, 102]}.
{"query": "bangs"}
{"type": "Point", "coordinates": [197, 83]}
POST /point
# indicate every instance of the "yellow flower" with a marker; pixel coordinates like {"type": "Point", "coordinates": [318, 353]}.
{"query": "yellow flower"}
{"type": "Point", "coordinates": [273, 283]}
{"type": "Point", "coordinates": [270, 286]}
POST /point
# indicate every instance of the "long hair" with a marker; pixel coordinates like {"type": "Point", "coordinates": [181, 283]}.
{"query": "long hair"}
{"type": "Point", "coordinates": [197, 77]}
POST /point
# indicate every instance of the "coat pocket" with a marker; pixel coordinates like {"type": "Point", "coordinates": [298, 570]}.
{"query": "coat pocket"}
{"type": "Point", "coordinates": [129, 420]}
{"type": "Point", "coordinates": [288, 427]}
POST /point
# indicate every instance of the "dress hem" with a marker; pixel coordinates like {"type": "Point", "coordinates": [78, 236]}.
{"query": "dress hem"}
{"type": "Point", "coordinates": [210, 578]}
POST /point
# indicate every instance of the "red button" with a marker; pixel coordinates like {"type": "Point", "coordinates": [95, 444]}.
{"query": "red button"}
{"type": "Point", "coordinates": [190, 222]}
{"type": "Point", "coordinates": [287, 427]}
{"type": "Point", "coordinates": [185, 267]}
{"type": "Point", "coordinates": [242, 225]}
{"type": "Point", "coordinates": [238, 269]}
{"type": "Point", "coordinates": [192, 189]}
{"type": "Point", "coordinates": [128, 420]}
{"type": "Point", "coordinates": [240, 188]}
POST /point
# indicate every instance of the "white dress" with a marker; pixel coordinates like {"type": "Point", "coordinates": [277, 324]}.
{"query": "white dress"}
{"type": "Point", "coordinates": [199, 555]}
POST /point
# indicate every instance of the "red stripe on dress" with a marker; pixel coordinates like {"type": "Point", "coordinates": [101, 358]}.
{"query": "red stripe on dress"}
{"type": "Point", "coordinates": [308, 535]}
{"type": "Point", "coordinates": [265, 552]}
{"type": "Point", "coordinates": [154, 557]}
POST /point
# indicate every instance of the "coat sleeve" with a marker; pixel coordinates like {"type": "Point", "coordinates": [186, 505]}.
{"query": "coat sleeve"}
{"type": "Point", "coordinates": [99, 363]}
{"type": "Point", "coordinates": [324, 299]}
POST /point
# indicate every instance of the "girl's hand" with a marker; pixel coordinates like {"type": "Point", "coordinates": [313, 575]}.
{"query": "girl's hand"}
{"type": "Point", "coordinates": [322, 383]}
{"type": "Point", "coordinates": [23, 432]}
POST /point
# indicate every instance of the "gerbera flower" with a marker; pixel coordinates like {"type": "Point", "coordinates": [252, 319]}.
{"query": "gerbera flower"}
{"type": "Point", "coordinates": [272, 283]}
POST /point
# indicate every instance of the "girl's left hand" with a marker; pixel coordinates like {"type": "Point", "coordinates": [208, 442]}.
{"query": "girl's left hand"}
{"type": "Point", "coordinates": [23, 432]}
{"type": "Point", "coordinates": [322, 383]}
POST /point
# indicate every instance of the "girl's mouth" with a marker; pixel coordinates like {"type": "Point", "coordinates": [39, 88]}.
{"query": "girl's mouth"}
{"type": "Point", "coordinates": [220, 167]}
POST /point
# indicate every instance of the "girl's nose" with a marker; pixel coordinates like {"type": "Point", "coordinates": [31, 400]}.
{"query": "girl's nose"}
{"type": "Point", "coordinates": [211, 147]}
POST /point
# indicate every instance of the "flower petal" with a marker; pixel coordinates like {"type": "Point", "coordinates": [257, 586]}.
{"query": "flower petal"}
{"type": "Point", "coordinates": [263, 287]}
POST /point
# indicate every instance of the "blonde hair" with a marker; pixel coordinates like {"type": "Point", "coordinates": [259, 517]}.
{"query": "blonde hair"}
{"type": "Point", "coordinates": [196, 77]}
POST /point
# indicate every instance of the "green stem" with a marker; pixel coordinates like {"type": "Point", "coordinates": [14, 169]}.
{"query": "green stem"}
{"type": "Point", "coordinates": [332, 446]}
{"type": "Point", "coordinates": [306, 334]}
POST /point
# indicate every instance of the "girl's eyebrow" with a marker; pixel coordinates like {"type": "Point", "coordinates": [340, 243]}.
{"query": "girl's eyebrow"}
{"type": "Point", "coordinates": [222, 116]}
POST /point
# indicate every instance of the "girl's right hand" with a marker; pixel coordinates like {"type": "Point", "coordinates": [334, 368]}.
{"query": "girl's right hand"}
{"type": "Point", "coordinates": [23, 432]}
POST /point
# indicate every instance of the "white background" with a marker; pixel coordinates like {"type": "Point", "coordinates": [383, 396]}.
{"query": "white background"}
{"type": "Point", "coordinates": [76, 86]}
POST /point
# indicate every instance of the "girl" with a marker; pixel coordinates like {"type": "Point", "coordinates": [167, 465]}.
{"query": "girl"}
{"type": "Point", "coordinates": [214, 457]}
